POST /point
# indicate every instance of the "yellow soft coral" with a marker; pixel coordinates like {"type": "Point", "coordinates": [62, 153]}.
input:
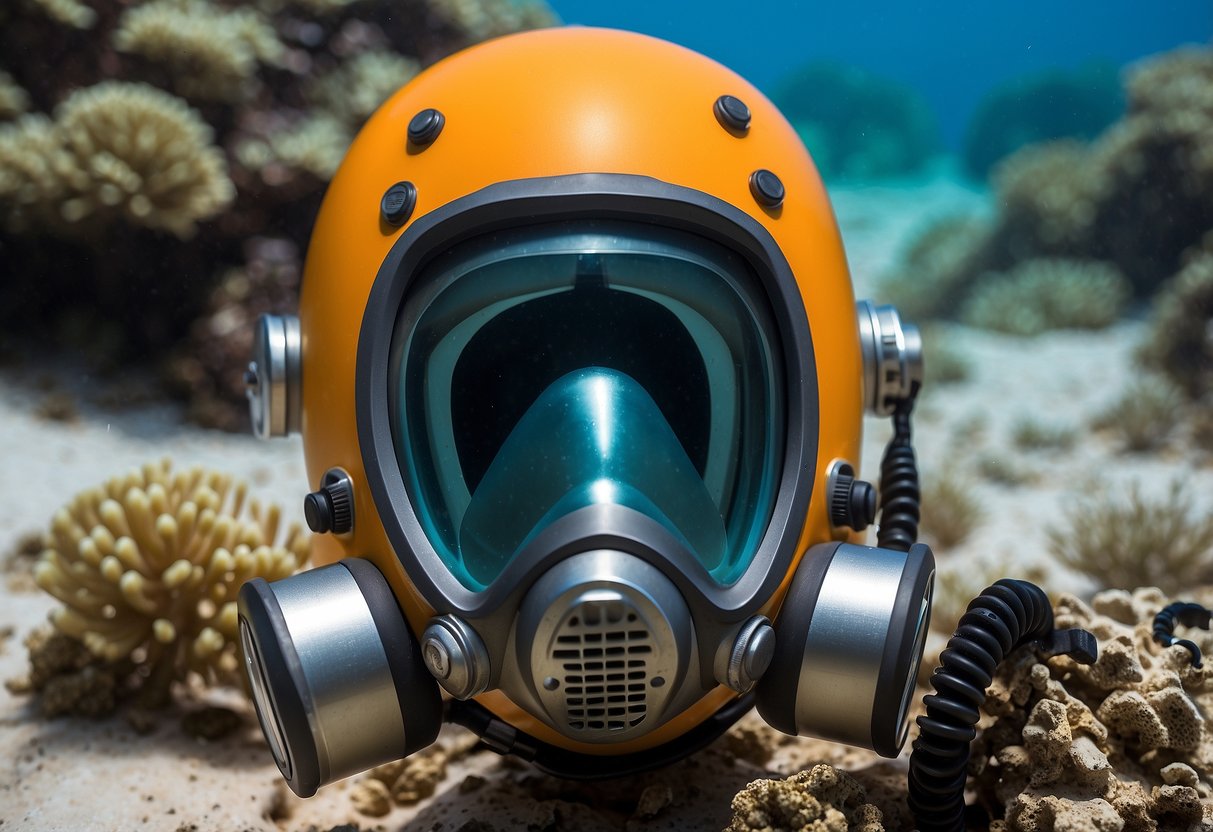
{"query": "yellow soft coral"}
{"type": "Point", "coordinates": [211, 53]}
{"type": "Point", "coordinates": [148, 566]}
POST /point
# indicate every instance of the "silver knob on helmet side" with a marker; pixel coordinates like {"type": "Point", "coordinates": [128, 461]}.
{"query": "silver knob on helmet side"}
{"type": "Point", "coordinates": [892, 357]}
{"type": "Point", "coordinates": [273, 381]}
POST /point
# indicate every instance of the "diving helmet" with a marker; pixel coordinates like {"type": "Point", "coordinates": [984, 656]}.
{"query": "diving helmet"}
{"type": "Point", "coordinates": [580, 378]}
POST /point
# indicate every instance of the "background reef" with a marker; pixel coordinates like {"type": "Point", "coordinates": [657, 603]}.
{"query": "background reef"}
{"type": "Point", "coordinates": [162, 162]}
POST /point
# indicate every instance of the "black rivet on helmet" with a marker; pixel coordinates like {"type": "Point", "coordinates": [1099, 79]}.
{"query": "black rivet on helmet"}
{"type": "Point", "coordinates": [398, 202]}
{"type": "Point", "coordinates": [425, 127]}
{"type": "Point", "coordinates": [733, 114]}
{"type": "Point", "coordinates": [766, 188]}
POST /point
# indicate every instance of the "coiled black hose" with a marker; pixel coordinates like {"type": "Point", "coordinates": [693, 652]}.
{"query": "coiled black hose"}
{"type": "Point", "coordinates": [1005, 616]}
{"type": "Point", "coordinates": [899, 491]}
{"type": "Point", "coordinates": [1189, 615]}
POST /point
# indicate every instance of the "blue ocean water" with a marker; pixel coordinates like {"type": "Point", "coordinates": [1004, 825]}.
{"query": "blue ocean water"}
{"type": "Point", "coordinates": [951, 51]}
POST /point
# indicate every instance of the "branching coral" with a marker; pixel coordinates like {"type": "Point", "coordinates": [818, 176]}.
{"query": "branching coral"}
{"type": "Point", "coordinates": [1180, 341]}
{"type": "Point", "coordinates": [1039, 295]}
{"type": "Point", "coordinates": [1120, 744]}
{"type": "Point", "coordinates": [148, 566]}
{"type": "Point", "coordinates": [1137, 540]}
{"type": "Point", "coordinates": [114, 150]}
{"type": "Point", "coordinates": [211, 53]}
{"type": "Point", "coordinates": [822, 799]}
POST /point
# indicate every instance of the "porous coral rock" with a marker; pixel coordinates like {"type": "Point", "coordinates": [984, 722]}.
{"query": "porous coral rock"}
{"type": "Point", "coordinates": [1119, 745]}
{"type": "Point", "coordinates": [211, 53]}
{"type": "Point", "coordinates": [148, 566]}
{"type": "Point", "coordinates": [822, 799]}
{"type": "Point", "coordinates": [68, 677]}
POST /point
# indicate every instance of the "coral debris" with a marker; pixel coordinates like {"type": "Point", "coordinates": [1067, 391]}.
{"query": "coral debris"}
{"type": "Point", "coordinates": [1120, 744]}
{"type": "Point", "coordinates": [822, 799]}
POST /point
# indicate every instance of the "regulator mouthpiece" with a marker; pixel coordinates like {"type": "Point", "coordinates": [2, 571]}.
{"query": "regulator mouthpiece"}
{"type": "Point", "coordinates": [337, 678]}
{"type": "Point", "coordinates": [851, 637]}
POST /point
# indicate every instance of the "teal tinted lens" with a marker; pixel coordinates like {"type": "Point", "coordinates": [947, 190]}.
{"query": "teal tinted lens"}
{"type": "Point", "coordinates": [595, 436]}
{"type": "Point", "coordinates": [490, 327]}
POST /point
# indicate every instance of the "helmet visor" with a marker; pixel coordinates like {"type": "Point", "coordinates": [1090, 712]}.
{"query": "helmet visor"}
{"type": "Point", "coordinates": [680, 325]}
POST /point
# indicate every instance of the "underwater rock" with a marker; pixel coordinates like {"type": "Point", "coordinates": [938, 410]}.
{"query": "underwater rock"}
{"type": "Point", "coordinates": [935, 269]}
{"type": "Point", "coordinates": [1121, 744]}
{"type": "Point", "coordinates": [1044, 294]}
{"type": "Point", "coordinates": [1053, 104]}
{"type": "Point", "coordinates": [148, 566]}
{"type": "Point", "coordinates": [858, 124]}
{"type": "Point", "coordinates": [822, 799]}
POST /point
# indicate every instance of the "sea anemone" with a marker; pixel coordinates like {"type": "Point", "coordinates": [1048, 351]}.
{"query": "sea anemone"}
{"type": "Point", "coordinates": [148, 566]}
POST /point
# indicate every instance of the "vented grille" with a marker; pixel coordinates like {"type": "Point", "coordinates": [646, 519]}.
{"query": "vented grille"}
{"type": "Point", "coordinates": [603, 650]}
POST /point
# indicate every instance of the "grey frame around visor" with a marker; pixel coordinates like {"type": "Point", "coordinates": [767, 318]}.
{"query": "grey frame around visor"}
{"type": "Point", "coordinates": [584, 196]}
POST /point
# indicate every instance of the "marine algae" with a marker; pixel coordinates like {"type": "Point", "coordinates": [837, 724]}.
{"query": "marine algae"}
{"type": "Point", "coordinates": [148, 565]}
{"type": "Point", "coordinates": [1137, 539]}
{"type": "Point", "coordinates": [1180, 339]}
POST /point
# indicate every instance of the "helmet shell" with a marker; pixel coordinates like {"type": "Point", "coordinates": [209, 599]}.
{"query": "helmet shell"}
{"type": "Point", "coordinates": [548, 103]}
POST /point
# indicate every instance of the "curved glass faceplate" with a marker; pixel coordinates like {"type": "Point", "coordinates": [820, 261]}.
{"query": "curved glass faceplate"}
{"type": "Point", "coordinates": [540, 370]}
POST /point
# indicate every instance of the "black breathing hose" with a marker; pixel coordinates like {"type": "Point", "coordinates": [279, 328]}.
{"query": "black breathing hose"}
{"type": "Point", "coordinates": [899, 490]}
{"type": "Point", "coordinates": [1005, 616]}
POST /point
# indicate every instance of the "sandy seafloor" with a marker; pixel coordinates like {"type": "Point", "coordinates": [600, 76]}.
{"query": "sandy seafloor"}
{"type": "Point", "coordinates": [79, 774]}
